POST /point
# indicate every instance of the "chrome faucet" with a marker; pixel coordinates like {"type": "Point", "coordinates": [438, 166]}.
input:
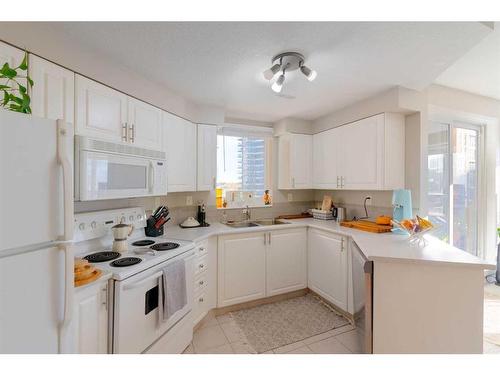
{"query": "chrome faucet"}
{"type": "Point", "coordinates": [246, 213]}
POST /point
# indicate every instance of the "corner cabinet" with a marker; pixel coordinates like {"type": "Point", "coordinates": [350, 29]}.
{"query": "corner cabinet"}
{"type": "Point", "coordinates": [180, 144]}
{"type": "Point", "coordinates": [144, 124]}
{"type": "Point", "coordinates": [207, 157]}
{"type": "Point", "coordinates": [53, 94]}
{"type": "Point", "coordinates": [328, 266]}
{"type": "Point", "coordinates": [261, 264]}
{"type": "Point", "coordinates": [363, 155]}
{"type": "Point", "coordinates": [295, 161]}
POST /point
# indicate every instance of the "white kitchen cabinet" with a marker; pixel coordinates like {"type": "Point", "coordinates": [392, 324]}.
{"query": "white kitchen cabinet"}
{"type": "Point", "coordinates": [241, 268]}
{"type": "Point", "coordinates": [207, 157]}
{"type": "Point", "coordinates": [180, 146]}
{"type": "Point", "coordinates": [295, 161]}
{"type": "Point", "coordinates": [327, 266]}
{"type": "Point", "coordinates": [205, 283]}
{"type": "Point", "coordinates": [144, 124]}
{"type": "Point", "coordinates": [13, 56]}
{"type": "Point", "coordinates": [89, 325]}
{"type": "Point", "coordinates": [286, 261]}
{"type": "Point", "coordinates": [101, 112]}
{"type": "Point", "coordinates": [363, 155]}
{"type": "Point", "coordinates": [53, 92]}
{"type": "Point", "coordinates": [325, 159]}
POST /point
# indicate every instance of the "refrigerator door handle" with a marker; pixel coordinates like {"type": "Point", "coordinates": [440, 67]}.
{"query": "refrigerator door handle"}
{"type": "Point", "coordinates": [63, 159]}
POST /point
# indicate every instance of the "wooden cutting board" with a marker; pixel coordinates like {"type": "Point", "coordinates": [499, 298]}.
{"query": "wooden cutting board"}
{"type": "Point", "coordinates": [93, 276]}
{"type": "Point", "coordinates": [367, 226]}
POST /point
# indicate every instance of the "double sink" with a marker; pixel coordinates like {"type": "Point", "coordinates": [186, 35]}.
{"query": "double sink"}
{"type": "Point", "coordinates": [256, 223]}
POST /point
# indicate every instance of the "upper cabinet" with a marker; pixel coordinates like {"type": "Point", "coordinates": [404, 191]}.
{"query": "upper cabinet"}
{"type": "Point", "coordinates": [207, 157]}
{"type": "Point", "coordinates": [144, 124]}
{"type": "Point", "coordinates": [295, 161]}
{"type": "Point", "coordinates": [105, 113]}
{"type": "Point", "coordinates": [364, 155]}
{"type": "Point", "coordinates": [11, 55]}
{"type": "Point", "coordinates": [53, 92]}
{"type": "Point", "coordinates": [180, 144]}
{"type": "Point", "coordinates": [101, 112]}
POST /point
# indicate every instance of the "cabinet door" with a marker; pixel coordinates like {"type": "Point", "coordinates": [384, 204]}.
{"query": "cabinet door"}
{"type": "Point", "coordinates": [13, 56]}
{"type": "Point", "coordinates": [180, 144]}
{"type": "Point", "coordinates": [301, 161]}
{"type": "Point", "coordinates": [91, 319]}
{"type": "Point", "coordinates": [361, 157]}
{"type": "Point", "coordinates": [144, 125]}
{"type": "Point", "coordinates": [241, 268]}
{"type": "Point", "coordinates": [101, 112]}
{"type": "Point", "coordinates": [327, 267]}
{"type": "Point", "coordinates": [207, 157]}
{"type": "Point", "coordinates": [325, 159]}
{"type": "Point", "coordinates": [286, 261]}
{"type": "Point", "coordinates": [53, 94]}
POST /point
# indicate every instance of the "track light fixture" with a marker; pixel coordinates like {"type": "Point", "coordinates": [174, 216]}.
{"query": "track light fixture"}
{"type": "Point", "coordinates": [287, 61]}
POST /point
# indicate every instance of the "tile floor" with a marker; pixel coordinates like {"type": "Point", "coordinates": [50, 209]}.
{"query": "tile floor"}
{"type": "Point", "coordinates": [221, 335]}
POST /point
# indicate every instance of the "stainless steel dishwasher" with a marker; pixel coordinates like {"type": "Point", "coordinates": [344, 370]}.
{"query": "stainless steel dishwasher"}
{"type": "Point", "coordinates": [362, 283]}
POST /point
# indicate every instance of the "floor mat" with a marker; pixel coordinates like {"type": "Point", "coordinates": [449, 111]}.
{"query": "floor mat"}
{"type": "Point", "coordinates": [281, 323]}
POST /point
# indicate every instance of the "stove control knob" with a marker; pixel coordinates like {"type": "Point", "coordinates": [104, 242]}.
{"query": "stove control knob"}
{"type": "Point", "coordinates": [139, 217]}
{"type": "Point", "coordinates": [81, 226]}
{"type": "Point", "coordinates": [122, 220]}
{"type": "Point", "coordinates": [131, 218]}
{"type": "Point", "coordinates": [93, 224]}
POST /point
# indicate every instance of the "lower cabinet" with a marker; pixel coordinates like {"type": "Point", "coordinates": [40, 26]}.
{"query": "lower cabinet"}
{"type": "Point", "coordinates": [89, 326]}
{"type": "Point", "coordinates": [286, 261]}
{"type": "Point", "coordinates": [328, 266]}
{"type": "Point", "coordinates": [261, 264]}
{"type": "Point", "coordinates": [205, 280]}
{"type": "Point", "coordinates": [242, 268]}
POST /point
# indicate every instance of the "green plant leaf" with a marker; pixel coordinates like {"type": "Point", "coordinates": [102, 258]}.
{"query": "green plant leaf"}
{"type": "Point", "coordinates": [30, 81]}
{"type": "Point", "coordinates": [22, 89]}
{"type": "Point", "coordinates": [6, 98]}
{"type": "Point", "coordinates": [2, 87]}
{"type": "Point", "coordinates": [24, 63]}
{"type": "Point", "coordinates": [7, 71]}
{"type": "Point", "coordinates": [16, 99]}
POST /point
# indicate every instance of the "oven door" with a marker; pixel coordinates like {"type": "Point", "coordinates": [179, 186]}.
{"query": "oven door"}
{"type": "Point", "coordinates": [109, 176]}
{"type": "Point", "coordinates": [137, 318]}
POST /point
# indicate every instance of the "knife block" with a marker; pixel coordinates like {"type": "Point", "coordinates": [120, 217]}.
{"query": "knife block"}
{"type": "Point", "coordinates": [151, 230]}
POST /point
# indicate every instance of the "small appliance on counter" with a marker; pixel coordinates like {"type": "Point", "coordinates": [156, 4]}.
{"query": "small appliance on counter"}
{"type": "Point", "coordinates": [156, 222]}
{"type": "Point", "coordinates": [338, 214]}
{"type": "Point", "coordinates": [120, 234]}
{"type": "Point", "coordinates": [402, 208]}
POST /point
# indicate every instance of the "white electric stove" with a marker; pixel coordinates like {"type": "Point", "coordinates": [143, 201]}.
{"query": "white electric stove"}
{"type": "Point", "coordinates": [137, 319]}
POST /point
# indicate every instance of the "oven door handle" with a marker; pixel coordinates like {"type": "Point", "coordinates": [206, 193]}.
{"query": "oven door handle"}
{"type": "Point", "coordinates": [143, 281]}
{"type": "Point", "coordinates": [151, 176]}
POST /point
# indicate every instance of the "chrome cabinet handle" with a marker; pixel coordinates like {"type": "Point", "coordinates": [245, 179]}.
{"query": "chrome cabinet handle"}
{"type": "Point", "coordinates": [342, 181]}
{"type": "Point", "coordinates": [338, 177]}
{"type": "Point", "coordinates": [293, 182]}
{"type": "Point", "coordinates": [132, 133]}
{"type": "Point", "coordinates": [214, 182]}
{"type": "Point", "coordinates": [265, 238]}
{"type": "Point", "coordinates": [124, 132]}
{"type": "Point", "coordinates": [269, 238]}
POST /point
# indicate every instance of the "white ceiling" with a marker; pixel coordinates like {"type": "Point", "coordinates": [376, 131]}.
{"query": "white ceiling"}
{"type": "Point", "coordinates": [478, 71]}
{"type": "Point", "coordinates": [220, 63]}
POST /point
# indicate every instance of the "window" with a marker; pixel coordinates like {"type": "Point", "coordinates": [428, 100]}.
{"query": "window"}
{"type": "Point", "coordinates": [453, 180]}
{"type": "Point", "coordinates": [243, 168]}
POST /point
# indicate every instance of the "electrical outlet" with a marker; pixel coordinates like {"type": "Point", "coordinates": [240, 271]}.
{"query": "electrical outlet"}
{"type": "Point", "coordinates": [157, 201]}
{"type": "Point", "coordinates": [290, 197]}
{"type": "Point", "coordinates": [189, 200]}
{"type": "Point", "coordinates": [369, 200]}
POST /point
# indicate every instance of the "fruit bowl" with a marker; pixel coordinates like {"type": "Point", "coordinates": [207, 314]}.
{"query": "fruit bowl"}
{"type": "Point", "coordinates": [415, 228]}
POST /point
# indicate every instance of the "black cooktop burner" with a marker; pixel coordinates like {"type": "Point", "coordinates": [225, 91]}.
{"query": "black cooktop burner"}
{"type": "Point", "coordinates": [102, 256]}
{"type": "Point", "coordinates": [143, 243]}
{"type": "Point", "coordinates": [165, 246]}
{"type": "Point", "coordinates": [126, 262]}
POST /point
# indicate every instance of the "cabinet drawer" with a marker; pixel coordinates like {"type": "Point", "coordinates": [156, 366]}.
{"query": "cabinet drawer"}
{"type": "Point", "coordinates": [201, 248]}
{"type": "Point", "coordinates": [200, 282]}
{"type": "Point", "coordinates": [201, 264]}
{"type": "Point", "coordinates": [200, 308]}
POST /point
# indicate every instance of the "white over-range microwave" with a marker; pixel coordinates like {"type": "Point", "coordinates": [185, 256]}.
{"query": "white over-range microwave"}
{"type": "Point", "coordinates": [107, 170]}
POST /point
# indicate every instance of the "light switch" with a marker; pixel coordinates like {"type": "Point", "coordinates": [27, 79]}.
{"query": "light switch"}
{"type": "Point", "coordinates": [290, 197]}
{"type": "Point", "coordinates": [189, 200]}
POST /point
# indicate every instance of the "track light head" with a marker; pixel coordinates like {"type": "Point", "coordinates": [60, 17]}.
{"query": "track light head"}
{"type": "Point", "coordinates": [271, 72]}
{"type": "Point", "coordinates": [309, 73]}
{"type": "Point", "coordinates": [278, 85]}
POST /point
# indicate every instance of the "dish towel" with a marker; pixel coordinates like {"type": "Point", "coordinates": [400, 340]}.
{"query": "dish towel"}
{"type": "Point", "coordinates": [174, 288]}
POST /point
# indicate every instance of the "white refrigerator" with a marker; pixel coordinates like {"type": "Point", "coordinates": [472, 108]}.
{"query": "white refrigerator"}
{"type": "Point", "coordinates": [36, 226]}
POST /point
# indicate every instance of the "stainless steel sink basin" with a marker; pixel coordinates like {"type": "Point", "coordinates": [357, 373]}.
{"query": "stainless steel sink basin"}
{"type": "Point", "coordinates": [255, 223]}
{"type": "Point", "coordinates": [270, 222]}
{"type": "Point", "coordinates": [244, 224]}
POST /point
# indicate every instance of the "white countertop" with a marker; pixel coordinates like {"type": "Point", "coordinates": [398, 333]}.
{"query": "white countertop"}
{"type": "Point", "coordinates": [386, 247]}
